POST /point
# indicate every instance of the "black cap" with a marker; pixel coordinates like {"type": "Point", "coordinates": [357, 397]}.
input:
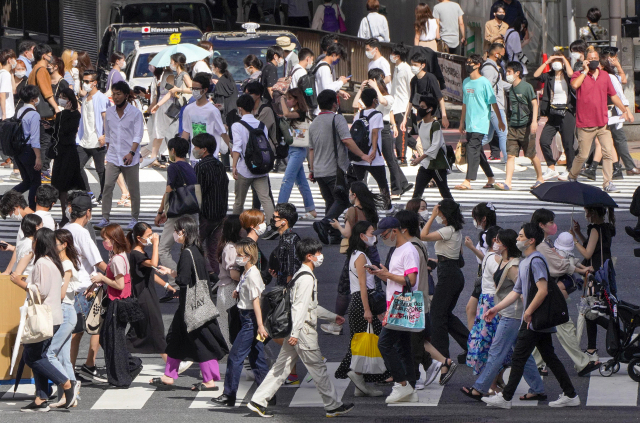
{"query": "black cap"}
{"type": "Point", "coordinates": [387, 223]}
{"type": "Point", "coordinates": [81, 203]}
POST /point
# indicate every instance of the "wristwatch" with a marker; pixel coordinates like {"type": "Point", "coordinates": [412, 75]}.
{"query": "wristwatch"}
{"type": "Point", "coordinates": [133, 153]}
{"type": "Point", "coordinates": [161, 212]}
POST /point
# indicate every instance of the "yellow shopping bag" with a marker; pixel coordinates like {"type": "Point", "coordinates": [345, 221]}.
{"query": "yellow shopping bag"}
{"type": "Point", "coordinates": [365, 355]}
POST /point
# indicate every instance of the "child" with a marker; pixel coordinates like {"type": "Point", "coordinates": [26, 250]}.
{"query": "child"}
{"type": "Point", "coordinates": [248, 294]}
{"type": "Point", "coordinates": [303, 340]}
{"type": "Point", "coordinates": [564, 246]}
{"type": "Point", "coordinates": [523, 124]}
{"type": "Point", "coordinates": [433, 162]}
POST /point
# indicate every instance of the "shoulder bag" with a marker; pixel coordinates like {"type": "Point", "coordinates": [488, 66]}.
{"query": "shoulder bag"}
{"type": "Point", "coordinates": [199, 308]}
{"type": "Point", "coordinates": [95, 317]}
{"type": "Point", "coordinates": [553, 311]}
{"type": "Point", "coordinates": [300, 134]}
{"type": "Point", "coordinates": [182, 200]}
{"type": "Point", "coordinates": [178, 102]}
{"type": "Point", "coordinates": [38, 325]}
{"type": "Point", "coordinates": [44, 108]}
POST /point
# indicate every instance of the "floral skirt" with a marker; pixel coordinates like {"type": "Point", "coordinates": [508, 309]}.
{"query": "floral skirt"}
{"type": "Point", "coordinates": [481, 335]}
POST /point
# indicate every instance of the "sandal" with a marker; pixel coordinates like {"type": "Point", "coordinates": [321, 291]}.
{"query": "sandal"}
{"type": "Point", "coordinates": [451, 369]}
{"type": "Point", "coordinates": [462, 187]}
{"type": "Point", "coordinates": [431, 184]}
{"type": "Point", "coordinates": [534, 397]}
{"type": "Point", "coordinates": [202, 387]}
{"type": "Point", "coordinates": [488, 186]}
{"type": "Point", "coordinates": [469, 392]}
{"type": "Point", "coordinates": [125, 201]}
{"type": "Point", "coordinates": [500, 186]}
{"type": "Point", "coordinates": [159, 166]}
{"type": "Point", "coordinates": [536, 185]}
{"type": "Point", "coordinates": [159, 384]}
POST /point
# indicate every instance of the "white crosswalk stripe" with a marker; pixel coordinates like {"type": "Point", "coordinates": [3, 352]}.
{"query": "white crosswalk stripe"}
{"type": "Point", "coordinates": [616, 390]}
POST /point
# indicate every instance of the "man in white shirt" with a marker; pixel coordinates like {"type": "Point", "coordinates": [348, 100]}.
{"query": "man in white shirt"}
{"type": "Point", "coordinates": [124, 126]}
{"type": "Point", "coordinates": [400, 90]}
{"type": "Point", "coordinates": [8, 62]}
{"type": "Point", "coordinates": [296, 14]}
{"type": "Point", "coordinates": [302, 342]}
{"type": "Point", "coordinates": [372, 51]}
{"type": "Point", "coordinates": [305, 63]}
{"type": "Point", "coordinates": [202, 116]}
{"type": "Point", "coordinates": [324, 77]}
{"type": "Point", "coordinates": [374, 25]}
{"type": "Point", "coordinates": [243, 177]}
{"type": "Point", "coordinates": [91, 139]}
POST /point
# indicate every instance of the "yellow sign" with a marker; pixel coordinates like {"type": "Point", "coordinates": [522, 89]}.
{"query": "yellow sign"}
{"type": "Point", "coordinates": [174, 38]}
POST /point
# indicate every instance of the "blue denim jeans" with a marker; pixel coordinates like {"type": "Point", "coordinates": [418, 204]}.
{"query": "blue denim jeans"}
{"type": "Point", "coordinates": [245, 345]}
{"type": "Point", "coordinates": [504, 339]}
{"type": "Point", "coordinates": [295, 174]}
{"type": "Point", "coordinates": [59, 352]}
{"type": "Point", "coordinates": [395, 348]}
{"type": "Point", "coordinates": [502, 135]}
{"type": "Point", "coordinates": [35, 356]}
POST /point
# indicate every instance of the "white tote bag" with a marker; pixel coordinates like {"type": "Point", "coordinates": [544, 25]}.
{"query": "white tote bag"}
{"type": "Point", "coordinates": [301, 134]}
{"type": "Point", "coordinates": [38, 325]}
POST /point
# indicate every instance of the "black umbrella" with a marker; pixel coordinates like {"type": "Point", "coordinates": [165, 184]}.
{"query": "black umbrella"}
{"type": "Point", "coordinates": [574, 193]}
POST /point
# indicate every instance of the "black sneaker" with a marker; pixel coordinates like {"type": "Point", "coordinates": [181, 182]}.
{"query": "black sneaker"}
{"type": "Point", "coordinates": [343, 409]}
{"type": "Point", "coordinates": [322, 232]}
{"type": "Point", "coordinates": [169, 296]}
{"type": "Point", "coordinates": [462, 358]}
{"type": "Point", "coordinates": [134, 374]}
{"type": "Point", "coordinates": [262, 411]}
{"type": "Point", "coordinates": [591, 366]}
{"type": "Point", "coordinates": [93, 374]}
{"type": "Point", "coordinates": [71, 394]}
{"type": "Point", "coordinates": [408, 188]}
{"type": "Point", "coordinates": [34, 408]}
{"type": "Point", "coordinates": [633, 233]}
{"type": "Point", "coordinates": [271, 233]}
{"type": "Point", "coordinates": [226, 400]}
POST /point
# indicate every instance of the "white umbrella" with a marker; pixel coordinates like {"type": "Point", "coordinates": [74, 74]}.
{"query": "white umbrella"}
{"type": "Point", "coordinates": [192, 53]}
{"type": "Point", "coordinates": [16, 344]}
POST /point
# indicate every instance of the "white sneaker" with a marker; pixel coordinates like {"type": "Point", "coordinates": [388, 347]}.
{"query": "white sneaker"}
{"type": "Point", "coordinates": [565, 401]}
{"type": "Point", "coordinates": [611, 188]}
{"type": "Point", "coordinates": [497, 401]}
{"type": "Point", "coordinates": [103, 224]}
{"type": "Point", "coordinates": [519, 168]}
{"type": "Point", "coordinates": [564, 176]}
{"type": "Point", "coordinates": [307, 216]}
{"type": "Point", "coordinates": [432, 372]}
{"type": "Point", "coordinates": [370, 393]}
{"type": "Point", "coordinates": [419, 385]}
{"type": "Point", "coordinates": [357, 380]}
{"type": "Point", "coordinates": [401, 394]}
{"type": "Point", "coordinates": [131, 224]}
{"type": "Point", "coordinates": [550, 174]}
{"type": "Point", "coordinates": [331, 328]}
{"type": "Point", "coordinates": [146, 162]}
{"type": "Point", "coordinates": [184, 365]}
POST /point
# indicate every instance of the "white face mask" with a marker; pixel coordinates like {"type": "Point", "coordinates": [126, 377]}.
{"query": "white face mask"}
{"type": "Point", "coordinates": [197, 94]}
{"type": "Point", "coordinates": [319, 260]}
{"type": "Point", "coordinates": [556, 66]}
{"type": "Point", "coordinates": [87, 87]}
{"type": "Point", "coordinates": [260, 229]}
{"type": "Point", "coordinates": [477, 225]}
{"type": "Point", "coordinates": [242, 261]}
{"type": "Point", "coordinates": [496, 247]}
{"type": "Point", "coordinates": [247, 71]}
{"type": "Point", "coordinates": [21, 74]}
{"type": "Point", "coordinates": [146, 241]}
{"type": "Point", "coordinates": [371, 240]}
{"type": "Point", "coordinates": [369, 54]}
{"type": "Point", "coordinates": [424, 214]}
{"type": "Point", "coordinates": [172, 67]}
{"type": "Point", "coordinates": [511, 78]}
{"type": "Point", "coordinates": [74, 63]}
{"type": "Point", "coordinates": [280, 62]}
{"type": "Point", "coordinates": [439, 220]}
{"type": "Point", "coordinates": [14, 64]}
{"type": "Point", "coordinates": [522, 245]}
{"type": "Point", "coordinates": [575, 55]}
{"type": "Point", "coordinates": [62, 102]}
{"type": "Point", "coordinates": [67, 213]}
{"type": "Point", "coordinates": [309, 66]}
{"type": "Point", "coordinates": [394, 59]}
{"type": "Point", "coordinates": [37, 102]}
{"type": "Point", "coordinates": [16, 216]}
{"type": "Point", "coordinates": [415, 70]}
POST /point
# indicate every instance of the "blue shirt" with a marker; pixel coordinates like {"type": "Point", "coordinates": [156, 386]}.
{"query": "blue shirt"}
{"type": "Point", "coordinates": [179, 173]}
{"type": "Point", "coordinates": [478, 96]}
{"type": "Point", "coordinates": [100, 104]}
{"type": "Point", "coordinates": [30, 126]}
{"type": "Point", "coordinates": [523, 283]}
{"type": "Point", "coordinates": [27, 64]}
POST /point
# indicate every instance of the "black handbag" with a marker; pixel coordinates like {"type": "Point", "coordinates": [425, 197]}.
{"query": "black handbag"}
{"type": "Point", "coordinates": [183, 200]}
{"type": "Point", "coordinates": [553, 311]}
{"type": "Point", "coordinates": [233, 314]}
{"type": "Point", "coordinates": [377, 301]}
{"type": "Point", "coordinates": [44, 108]}
{"type": "Point", "coordinates": [557, 109]}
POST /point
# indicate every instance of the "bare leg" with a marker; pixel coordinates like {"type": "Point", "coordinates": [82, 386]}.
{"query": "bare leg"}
{"type": "Point", "coordinates": [94, 346]}
{"type": "Point", "coordinates": [472, 306]}
{"type": "Point", "coordinates": [75, 346]}
{"type": "Point", "coordinates": [511, 166]}
{"type": "Point", "coordinates": [122, 185]}
{"type": "Point", "coordinates": [538, 168]}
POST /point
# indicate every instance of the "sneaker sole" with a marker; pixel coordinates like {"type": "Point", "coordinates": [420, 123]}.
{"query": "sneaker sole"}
{"type": "Point", "coordinates": [255, 410]}
{"type": "Point", "coordinates": [412, 397]}
{"type": "Point", "coordinates": [564, 405]}
{"type": "Point", "coordinates": [339, 413]}
{"type": "Point", "coordinates": [37, 410]}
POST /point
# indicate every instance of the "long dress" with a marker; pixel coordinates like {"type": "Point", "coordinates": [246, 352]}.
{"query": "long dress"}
{"type": "Point", "coordinates": [163, 126]}
{"type": "Point", "coordinates": [205, 343]}
{"type": "Point", "coordinates": [143, 288]}
{"type": "Point", "coordinates": [66, 173]}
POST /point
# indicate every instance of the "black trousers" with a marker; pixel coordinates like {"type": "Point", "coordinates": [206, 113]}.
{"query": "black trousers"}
{"type": "Point", "coordinates": [398, 180]}
{"type": "Point", "coordinates": [476, 157]}
{"type": "Point", "coordinates": [527, 341]}
{"type": "Point", "coordinates": [31, 178]}
{"type": "Point", "coordinates": [45, 142]}
{"type": "Point", "coordinates": [425, 175]}
{"type": "Point", "coordinates": [335, 203]}
{"type": "Point", "coordinates": [494, 145]}
{"type": "Point", "coordinates": [401, 139]}
{"type": "Point", "coordinates": [592, 330]}
{"type": "Point", "coordinates": [445, 298]}
{"type": "Point", "coordinates": [395, 349]}
{"type": "Point", "coordinates": [379, 173]}
{"type": "Point", "coordinates": [566, 126]}
{"type": "Point", "coordinates": [98, 155]}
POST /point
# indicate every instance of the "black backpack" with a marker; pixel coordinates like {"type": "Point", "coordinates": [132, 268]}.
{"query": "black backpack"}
{"type": "Point", "coordinates": [360, 134]}
{"type": "Point", "coordinates": [282, 148]}
{"type": "Point", "coordinates": [307, 83]}
{"type": "Point", "coordinates": [12, 137]}
{"type": "Point", "coordinates": [276, 309]}
{"type": "Point", "coordinates": [258, 155]}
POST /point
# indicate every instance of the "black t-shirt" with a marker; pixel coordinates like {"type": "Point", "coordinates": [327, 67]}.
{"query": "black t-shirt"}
{"type": "Point", "coordinates": [269, 78]}
{"type": "Point", "coordinates": [139, 273]}
{"type": "Point", "coordinates": [427, 85]}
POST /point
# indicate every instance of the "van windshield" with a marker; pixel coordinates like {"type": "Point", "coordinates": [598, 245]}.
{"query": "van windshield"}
{"type": "Point", "coordinates": [195, 13]}
{"type": "Point", "coordinates": [126, 40]}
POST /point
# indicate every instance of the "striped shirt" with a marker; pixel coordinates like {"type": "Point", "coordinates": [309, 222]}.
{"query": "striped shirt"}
{"type": "Point", "coordinates": [214, 185]}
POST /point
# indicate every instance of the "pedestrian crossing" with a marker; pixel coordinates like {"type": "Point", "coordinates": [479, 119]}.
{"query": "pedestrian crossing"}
{"type": "Point", "coordinates": [618, 390]}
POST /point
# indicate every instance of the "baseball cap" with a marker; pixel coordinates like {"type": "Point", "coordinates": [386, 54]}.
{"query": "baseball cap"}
{"type": "Point", "coordinates": [387, 223]}
{"type": "Point", "coordinates": [285, 43]}
{"type": "Point", "coordinates": [564, 242]}
{"type": "Point", "coordinates": [81, 203]}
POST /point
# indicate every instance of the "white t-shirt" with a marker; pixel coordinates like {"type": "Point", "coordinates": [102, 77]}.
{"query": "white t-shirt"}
{"type": "Point", "coordinates": [200, 66]}
{"type": "Point", "coordinates": [404, 261]}
{"type": "Point", "coordinates": [354, 282]}
{"type": "Point", "coordinates": [374, 25]}
{"type": "Point", "coordinates": [47, 222]}
{"type": "Point", "coordinates": [482, 246]}
{"type": "Point", "coordinates": [386, 110]}
{"type": "Point", "coordinates": [227, 264]}
{"type": "Point", "coordinates": [430, 30]}
{"type": "Point", "coordinates": [197, 120]}
{"type": "Point", "coordinates": [449, 245]}
{"type": "Point", "coordinates": [88, 253]}
{"type": "Point", "coordinates": [374, 123]}
{"type": "Point", "coordinates": [23, 247]}
{"type": "Point", "coordinates": [240, 139]}
{"type": "Point", "coordinates": [401, 87]}
{"type": "Point", "coordinates": [249, 288]}
{"type": "Point", "coordinates": [7, 88]}
{"type": "Point", "coordinates": [429, 143]}
{"type": "Point", "coordinates": [296, 75]}
{"type": "Point", "coordinates": [383, 64]}
{"type": "Point", "coordinates": [74, 283]}
{"type": "Point", "coordinates": [490, 268]}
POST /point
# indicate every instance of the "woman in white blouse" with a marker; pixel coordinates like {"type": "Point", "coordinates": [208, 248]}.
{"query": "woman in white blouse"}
{"type": "Point", "coordinates": [426, 27]}
{"type": "Point", "coordinates": [374, 25]}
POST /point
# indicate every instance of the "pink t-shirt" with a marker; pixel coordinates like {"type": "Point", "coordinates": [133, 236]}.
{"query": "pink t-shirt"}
{"type": "Point", "coordinates": [404, 261]}
{"type": "Point", "coordinates": [119, 265]}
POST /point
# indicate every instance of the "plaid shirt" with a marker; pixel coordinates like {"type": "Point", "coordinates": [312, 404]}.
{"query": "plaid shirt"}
{"type": "Point", "coordinates": [286, 254]}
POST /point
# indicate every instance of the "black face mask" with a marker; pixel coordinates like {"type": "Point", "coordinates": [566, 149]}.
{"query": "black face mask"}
{"type": "Point", "coordinates": [470, 68]}
{"type": "Point", "coordinates": [422, 113]}
{"type": "Point", "coordinates": [500, 17]}
{"type": "Point", "coordinates": [593, 64]}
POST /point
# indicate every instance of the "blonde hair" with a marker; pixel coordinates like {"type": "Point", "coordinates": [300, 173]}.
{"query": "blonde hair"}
{"type": "Point", "coordinates": [68, 56]}
{"type": "Point", "coordinates": [591, 49]}
{"type": "Point", "coordinates": [248, 247]}
{"type": "Point", "coordinates": [251, 218]}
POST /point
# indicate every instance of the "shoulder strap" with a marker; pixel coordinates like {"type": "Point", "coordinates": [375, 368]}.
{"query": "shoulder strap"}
{"type": "Point", "coordinates": [246, 125]}
{"type": "Point", "coordinates": [370, 31]}
{"type": "Point", "coordinates": [531, 281]}
{"type": "Point", "coordinates": [29, 109]}
{"type": "Point", "coordinates": [294, 71]}
{"type": "Point", "coordinates": [506, 269]}
{"type": "Point", "coordinates": [593, 32]}
{"type": "Point", "coordinates": [296, 277]}
{"type": "Point", "coordinates": [435, 126]}
{"type": "Point", "coordinates": [421, 247]}
{"type": "Point", "coordinates": [318, 66]}
{"type": "Point", "coordinates": [195, 268]}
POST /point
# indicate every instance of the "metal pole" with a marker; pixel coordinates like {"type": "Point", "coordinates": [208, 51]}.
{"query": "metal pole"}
{"type": "Point", "coordinates": [545, 26]}
{"type": "Point", "coordinates": [571, 23]}
{"type": "Point", "coordinates": [615, 21]}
